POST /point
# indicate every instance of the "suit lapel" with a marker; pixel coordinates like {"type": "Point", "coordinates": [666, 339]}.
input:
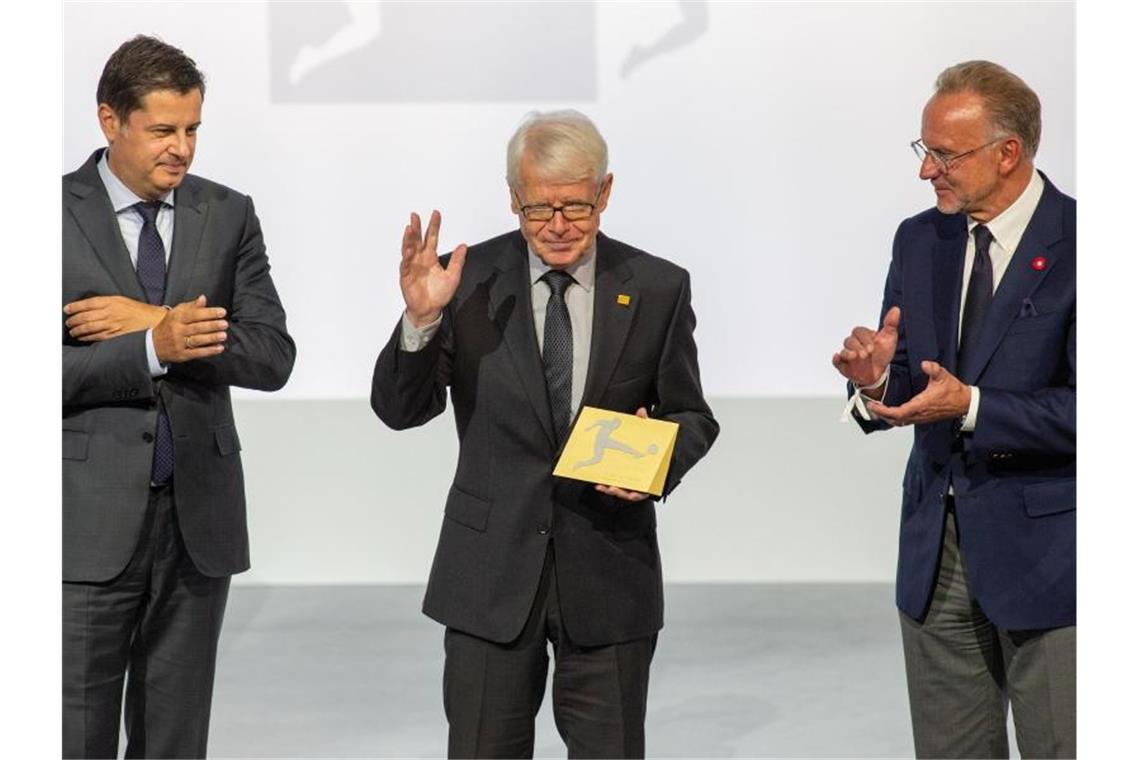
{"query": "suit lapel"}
{"type": "Point", "coordinates": [612, 320]}
{"type": "Point", "coordinates": [1019, 281]}
{"type": "Point", "coordinates": [511, 310]}
{"type": "Point", "coordinates": [91, 207]}
{"type": "Point", "coordinates": [189, 221]}
{"type": "Point", "coordinates": [949, 258]}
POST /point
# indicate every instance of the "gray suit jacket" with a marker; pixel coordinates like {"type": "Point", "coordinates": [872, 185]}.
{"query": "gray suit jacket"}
{"type": "Point", "coordinates": [505, 505]}
{"type": "Point", "coordinates": [110, 400]}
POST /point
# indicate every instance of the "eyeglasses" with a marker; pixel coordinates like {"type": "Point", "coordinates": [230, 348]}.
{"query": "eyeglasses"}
{"type": "Point", "coordinates": [571, 212]}
{"type": "Point", "coordinates": [944, 161]}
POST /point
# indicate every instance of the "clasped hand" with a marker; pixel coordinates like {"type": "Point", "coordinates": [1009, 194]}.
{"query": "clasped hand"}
{"type": "Point", "coordinates": [190, 330]}
{"type": "Point", "coordinates": [864, 359]}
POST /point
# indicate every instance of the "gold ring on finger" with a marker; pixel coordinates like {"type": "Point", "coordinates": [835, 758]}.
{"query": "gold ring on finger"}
{"type": "Point", "coordinates": [188, 345]}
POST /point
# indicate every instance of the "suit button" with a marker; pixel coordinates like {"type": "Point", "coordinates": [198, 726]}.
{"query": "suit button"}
{"type": "Point", "coordinates": [148, 437]}
{"type": "Point", "coordinates": [543, 529]}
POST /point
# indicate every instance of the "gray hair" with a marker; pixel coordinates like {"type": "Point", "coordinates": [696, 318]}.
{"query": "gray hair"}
{"type": "Point", "coordinates": [1012, 107]}
{"type": "Point", "coordinates": [565, 145]}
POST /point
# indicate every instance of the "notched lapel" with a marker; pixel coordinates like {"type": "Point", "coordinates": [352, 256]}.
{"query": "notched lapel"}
{"type": "Point", "coordinates": [92, 211]}
{"type": "Point", "coordinates": [949, 259]}
{"type": "Point", "coordinates": [511, 310]}
{"type": "Point", "coordinates": [190, 213]}
{"type": "Point", "coordinates": [612, 320]}
{"type": "Point", "coordinates": [1020, 280]}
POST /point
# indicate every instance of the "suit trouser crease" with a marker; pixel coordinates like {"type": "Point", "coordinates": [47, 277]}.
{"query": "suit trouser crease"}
{"type": "Point", "coordinates": [159, 622]}
{"type": "Point", "coordinates": [964, 673]}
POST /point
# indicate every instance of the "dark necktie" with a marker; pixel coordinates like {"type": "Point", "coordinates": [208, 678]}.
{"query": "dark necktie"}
{"type": "Point", "coordinates": [558, 351]}
{"type": "Point", "coordinates": [151, 268]}
{"type": "Point", "coordinates": [979, 293]}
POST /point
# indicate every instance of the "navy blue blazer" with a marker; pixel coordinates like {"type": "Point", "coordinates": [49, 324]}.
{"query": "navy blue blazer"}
{"type": "Point", "coordinates": [1014, 476]}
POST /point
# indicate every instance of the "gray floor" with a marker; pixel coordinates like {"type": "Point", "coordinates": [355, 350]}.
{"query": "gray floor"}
{"type": "Point", "coordinates": [740, 671]}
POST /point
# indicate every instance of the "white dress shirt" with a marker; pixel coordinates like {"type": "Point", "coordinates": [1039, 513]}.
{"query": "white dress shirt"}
{"type": "Point", "coordinates": [1007, 229]}
{"type": "Point", "coordinates": [130, 221]}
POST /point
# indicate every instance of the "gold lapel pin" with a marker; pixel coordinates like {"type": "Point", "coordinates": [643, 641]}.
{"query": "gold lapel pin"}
{"type": "Point", "coordinates": [623, 299]}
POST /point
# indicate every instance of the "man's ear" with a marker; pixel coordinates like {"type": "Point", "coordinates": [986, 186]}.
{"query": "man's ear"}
{"type": "Point", "coordinates": [604, 195]}
{"type": "Point", "coordinates": [109, 122]}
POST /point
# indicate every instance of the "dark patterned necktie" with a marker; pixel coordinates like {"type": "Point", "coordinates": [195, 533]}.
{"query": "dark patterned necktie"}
{"type": "Point", "coordinates": [979, 293]}
{"type": "Point", "coordinates": [151, 269]}
{"type": "Point", "coordinates": [558, 351]}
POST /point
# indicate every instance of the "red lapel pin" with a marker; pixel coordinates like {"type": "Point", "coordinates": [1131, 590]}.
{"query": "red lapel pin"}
{"type": "Point", "coordinates": [1039, 263]}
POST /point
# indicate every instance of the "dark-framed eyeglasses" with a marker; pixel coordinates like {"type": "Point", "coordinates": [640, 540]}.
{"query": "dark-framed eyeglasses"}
{"type": "Point", "coordinates": [571, 212]}
{"type": "Point", "coordinates": [943, 160]}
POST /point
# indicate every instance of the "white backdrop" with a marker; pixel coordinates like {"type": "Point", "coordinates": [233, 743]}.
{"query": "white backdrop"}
{"type": "Point", "coordinates": [767, 152]}
{"type": "Point", "coordinates": [763, 147]}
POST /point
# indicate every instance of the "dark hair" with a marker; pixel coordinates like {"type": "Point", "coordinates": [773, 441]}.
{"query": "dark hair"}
{"type": "Point", "coordinates": [1012, 106]}
{"type": "Point", "coordinates": [141, 66]}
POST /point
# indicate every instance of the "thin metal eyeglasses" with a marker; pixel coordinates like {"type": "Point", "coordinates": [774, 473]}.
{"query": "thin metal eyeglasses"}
{"type": "Point", "coordinates": [943, 161]}
{"type": "Point", "coordinates": [571, 212]}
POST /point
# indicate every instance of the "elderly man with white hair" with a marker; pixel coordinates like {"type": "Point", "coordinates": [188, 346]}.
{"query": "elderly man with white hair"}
{"type": "Point", "coordinates": [523, 330]}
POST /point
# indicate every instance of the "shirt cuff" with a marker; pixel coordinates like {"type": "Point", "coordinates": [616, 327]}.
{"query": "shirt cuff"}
{"type": "Point", "coordinates": [414, 338]}
{"type": "Point", "coordinates": [157, 368]}
{"type": "Point", "coordinates": [970, 421]}
{"type": "Point", "coordinates": [858, 399]}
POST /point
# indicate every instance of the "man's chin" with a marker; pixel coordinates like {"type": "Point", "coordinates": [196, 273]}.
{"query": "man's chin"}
{"type": "Point", "coordinates": [559, 259]}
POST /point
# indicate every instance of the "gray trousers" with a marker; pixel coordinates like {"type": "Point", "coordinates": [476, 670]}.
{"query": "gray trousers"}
{"type": "Point", "coordinates": [963, 673]}
{"type": "Point", "coordinates": [155, 627]}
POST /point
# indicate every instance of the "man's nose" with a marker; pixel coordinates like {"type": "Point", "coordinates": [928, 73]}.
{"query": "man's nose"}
{"type": "Point", "coordinates": [929, 169]}
{"type": "Point", "coordinates": [558, 223]}
{"type": "Point", "coordinates": [180, 144]}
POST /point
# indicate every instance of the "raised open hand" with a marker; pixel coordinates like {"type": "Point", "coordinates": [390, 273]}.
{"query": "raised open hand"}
{"type": "Point", "coordinates": [866, 352]}
{"type": "Point", "coordinates": [427, 287]}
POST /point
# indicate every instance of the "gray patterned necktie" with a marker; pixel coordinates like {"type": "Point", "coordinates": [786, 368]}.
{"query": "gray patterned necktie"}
{"type": "Point", "coordinates": [979, 293]}
{"type": "Point", "coordinates": [151, 267]}
{"type": "Point", "coordinates": [558, 351]}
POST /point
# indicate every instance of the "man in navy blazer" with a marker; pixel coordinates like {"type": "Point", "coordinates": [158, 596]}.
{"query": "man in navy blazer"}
{"type": "Point", "coordinates": [977, 351]}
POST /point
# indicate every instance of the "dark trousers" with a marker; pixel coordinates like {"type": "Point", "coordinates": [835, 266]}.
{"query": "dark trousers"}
{"type": "Point", "coordinates": [963, 673]}
{"type": "Point", "coordinates": [492, 692]}
{"type": "Point", "coordinates": [155, 626]}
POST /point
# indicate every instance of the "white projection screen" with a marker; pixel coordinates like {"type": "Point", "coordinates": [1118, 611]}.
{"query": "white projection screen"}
{"type": "Point", "coordinates": [762, 146]}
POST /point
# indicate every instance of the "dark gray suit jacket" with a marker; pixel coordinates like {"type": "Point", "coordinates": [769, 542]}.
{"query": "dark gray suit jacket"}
{"type": "Point", "coordinates": [110, 401]}
{"type": "Point", "coordinates": [504, 505]}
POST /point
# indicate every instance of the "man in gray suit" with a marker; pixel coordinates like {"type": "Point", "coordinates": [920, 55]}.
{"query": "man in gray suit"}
{"type": "Point", "coordinates": [168, 302]}
{"type": "Point", "coordinates": [523, 330]}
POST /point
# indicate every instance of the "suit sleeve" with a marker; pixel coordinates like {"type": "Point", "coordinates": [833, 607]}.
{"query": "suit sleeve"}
{"type": "Point", "coordinates": [106, 371]}
{"type": "Point", "coordinates": [410, 387]}
{"type": "Point", "coordinates": [259, 352]}
{"type": "Point", "coordinates": [680, 398]}
{"type": "Point", "coordinates": [1042, 422]}
{"type": "Point", "coordinates": [899, 389]}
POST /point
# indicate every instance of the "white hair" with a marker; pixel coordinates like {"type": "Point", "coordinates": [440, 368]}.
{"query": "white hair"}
{"type": "Point", "coordinates": [565, 145]}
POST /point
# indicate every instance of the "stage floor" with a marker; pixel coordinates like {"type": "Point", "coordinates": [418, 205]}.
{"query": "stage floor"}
{"type": "Point", "coordinates": [740, 671]}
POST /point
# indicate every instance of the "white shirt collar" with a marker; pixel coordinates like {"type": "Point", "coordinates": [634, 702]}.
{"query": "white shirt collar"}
{"type": "Point", "coordinates": [122, 197]}
{"type": "Point", "coordinates": [1008, 226]}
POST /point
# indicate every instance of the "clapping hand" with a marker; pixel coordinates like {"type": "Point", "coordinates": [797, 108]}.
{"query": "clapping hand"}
{"type": "Point", "coordinates": [866, 352]}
